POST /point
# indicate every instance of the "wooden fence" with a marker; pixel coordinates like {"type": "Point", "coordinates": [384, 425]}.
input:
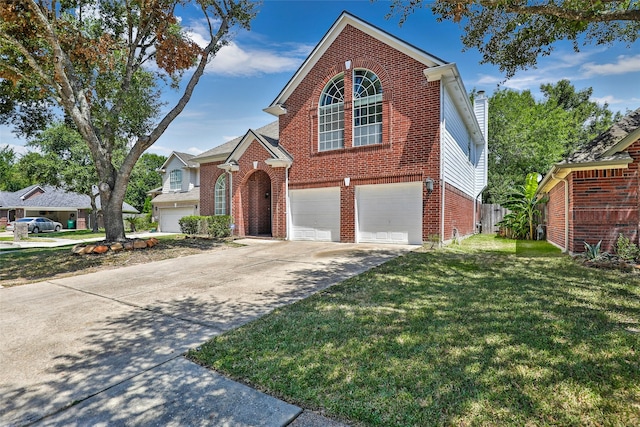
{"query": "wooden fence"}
{"type": "Point", "coordinates": [491, 215]}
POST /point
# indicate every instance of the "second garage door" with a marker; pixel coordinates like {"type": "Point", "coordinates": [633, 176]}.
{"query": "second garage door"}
{"type": "Point", "coordinates": [315, 214]}
{"type": "Point", "coordinates": [390, 213]}
{"type": "Point", "coordinates": [169, 218]}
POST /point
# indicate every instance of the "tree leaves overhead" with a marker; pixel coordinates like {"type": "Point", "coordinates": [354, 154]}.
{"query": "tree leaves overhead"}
{"type": "Point", "coordinates": [529, 136]}
{"type": "Point", "coordinates": [513, 34]}
{"type": "Point", "coordinates": [104, 64]}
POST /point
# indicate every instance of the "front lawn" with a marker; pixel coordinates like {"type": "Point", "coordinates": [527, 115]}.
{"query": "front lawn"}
{"type": "Point", "coordinates": [488, 332]}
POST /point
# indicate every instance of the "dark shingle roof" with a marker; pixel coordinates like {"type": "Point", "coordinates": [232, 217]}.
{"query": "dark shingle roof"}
{"type": "Point", "coordinates": [50, 197]}
{"type": "Point", "coordinates": [270, 132]}
{"type": "Point", "coordinates": [186, 158]}
{"type": "Point", "coordinates": [598, 149]}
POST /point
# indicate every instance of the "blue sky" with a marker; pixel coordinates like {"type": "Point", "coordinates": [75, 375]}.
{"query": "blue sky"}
{"type": "Point", "coordinates": [248, 74]}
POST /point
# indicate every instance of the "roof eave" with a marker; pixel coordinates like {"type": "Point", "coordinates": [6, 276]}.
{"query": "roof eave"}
{"type": "Point", "coordinates": [624, 143]}
{"type": "Point", "coordinates": [343, 20]}
{"type": "Point", "coordinates": [559, 171]}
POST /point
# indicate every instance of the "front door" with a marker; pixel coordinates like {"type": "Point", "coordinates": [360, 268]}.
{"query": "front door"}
{"type": "Point", "coordinates": [259, 204]}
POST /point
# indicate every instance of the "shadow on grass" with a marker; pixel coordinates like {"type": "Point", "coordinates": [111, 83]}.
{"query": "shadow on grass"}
{"type": "Point", "coordinates": [454, 338]}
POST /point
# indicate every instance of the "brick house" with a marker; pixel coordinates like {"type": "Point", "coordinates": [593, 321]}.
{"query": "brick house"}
{"type": "Point", "coordinates": [593, 194]}
{"type": "Point", "coordinates": [375, 141]}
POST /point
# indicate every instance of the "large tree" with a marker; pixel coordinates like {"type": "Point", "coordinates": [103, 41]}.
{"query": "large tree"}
{"type": "Point", "coordinates": [105, 64]}
{"type": "Point", "coordinates": [514, 34]}
{"type": "Point", "coordinates": [527, 135]}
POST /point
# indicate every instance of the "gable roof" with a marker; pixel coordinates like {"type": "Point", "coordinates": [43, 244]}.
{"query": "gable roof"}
{"type": "Point", "coordinates": [185, 158]}
{"type": "Point", "coordinates": [276, 107]}
{"type": "Point", "coordinates": [606, 151]}
{"type": "Point", "coordinates": [267, 136]}
{"type": "Point", "coordinates": [51, 198]}
{"type": "Point", "coordinates": [269, 132]}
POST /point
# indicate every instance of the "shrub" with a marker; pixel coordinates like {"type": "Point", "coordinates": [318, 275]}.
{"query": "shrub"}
{"type": "Point", "coordinates": [592, 252]}
{"type": "Point", "coordinates": [189, 224]}
{"type": "Point", "coordinates": [626, 250]}
{"type": "Point", "coordinates": [218, 226]}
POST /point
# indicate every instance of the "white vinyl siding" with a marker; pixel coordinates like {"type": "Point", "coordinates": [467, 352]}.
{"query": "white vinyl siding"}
{"type": "Point", "coordinates": [458, 169]}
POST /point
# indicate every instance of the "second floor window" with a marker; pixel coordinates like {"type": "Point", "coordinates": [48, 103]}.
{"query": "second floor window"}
{"type": "Point", "coordinates": [331, 115]}
{"type": "Point", "coordinates": [175, 179]}
{"type": "Point", "coordinates": [367, 108]}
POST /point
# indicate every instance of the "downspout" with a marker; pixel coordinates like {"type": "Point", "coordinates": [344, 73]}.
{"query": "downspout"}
{"type": "Point", "coordinates": [286, 199]}
{"type": "Point", "coordinates": [443, 125]}
{"type": "Point", "coordinates": [231, 195]}
{"type": "Point", "coordinates": [475, 206]}
{"type": "Point", "coordinates": [566, 211]}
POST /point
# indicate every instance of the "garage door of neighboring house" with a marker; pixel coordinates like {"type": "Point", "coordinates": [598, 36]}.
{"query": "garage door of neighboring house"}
{"type": "Point", "coordinates": [315, 214]}
{"type": "Point", "coordinates": [389, 213]}
{"type": "Point", "coordinates": [169, 218]}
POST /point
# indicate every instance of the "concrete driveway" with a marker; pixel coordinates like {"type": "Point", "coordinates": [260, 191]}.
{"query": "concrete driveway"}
{"type": "Point", "coordinates": [107, 347]}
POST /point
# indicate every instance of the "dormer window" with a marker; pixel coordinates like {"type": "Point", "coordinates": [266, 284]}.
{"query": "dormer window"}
{"type": "Point", "coordinates": [367, 108]}
{"type": "Point", "coordinates": [175, 179]}
{"type": "Point", "coordinates": [331, 115]}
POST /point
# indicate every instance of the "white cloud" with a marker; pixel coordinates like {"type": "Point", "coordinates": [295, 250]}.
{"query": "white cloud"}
{"type": "Point", "coordinates": [234, 60]}
{"type": "Point", "coordinates": [624, 64]}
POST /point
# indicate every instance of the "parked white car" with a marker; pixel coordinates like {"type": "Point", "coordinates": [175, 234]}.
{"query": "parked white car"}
{"type": "Point", "coordinates": [37, 224]}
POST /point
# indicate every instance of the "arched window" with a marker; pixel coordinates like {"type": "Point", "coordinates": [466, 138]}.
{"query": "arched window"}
{"type": "Point", "coordinates": [220, 196]}
{"type": "Point", "coordinates": [367, 108]}
{"type": "Point", "coordinates": [331, 115]}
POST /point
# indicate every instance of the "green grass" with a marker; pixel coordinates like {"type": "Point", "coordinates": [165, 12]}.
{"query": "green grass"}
{"type": "Point", "coordinates": [488, 332]}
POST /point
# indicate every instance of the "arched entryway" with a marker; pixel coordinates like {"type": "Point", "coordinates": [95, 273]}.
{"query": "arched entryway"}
{"type": "Point", "coordinates": [259, 187]}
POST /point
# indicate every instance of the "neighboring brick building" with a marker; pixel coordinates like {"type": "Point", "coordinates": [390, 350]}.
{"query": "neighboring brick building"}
{"type": "Point", "coordinates": [376, 141]}
{"type": "Point", "coordinates": [593, 194]}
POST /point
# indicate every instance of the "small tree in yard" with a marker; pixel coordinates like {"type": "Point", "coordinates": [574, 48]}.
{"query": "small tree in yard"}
{"type": "Point", "coordinates": [523, 204]}
{"type": "Point", "coordinates": [104, 63]}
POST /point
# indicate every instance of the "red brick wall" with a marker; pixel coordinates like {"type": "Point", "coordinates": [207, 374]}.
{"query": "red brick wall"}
{"type": "Point", "coordinates": [458, 213]}
{"type": "Point", "coordinates": [602, 204]}
{"type": "Point", "coordinates": [556, 215]}
{"type": "Point", "coordinates": [209, 173]}
{"type": "Point", "coordinates": [247, 196]}
{"type": "Point", "coordinates": [411, 129]}
{"type": "Point", "coordinates": [605, 204]}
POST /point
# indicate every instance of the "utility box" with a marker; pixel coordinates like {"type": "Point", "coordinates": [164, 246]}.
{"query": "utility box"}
{"type": "Point", "coordinates": [21, 231]}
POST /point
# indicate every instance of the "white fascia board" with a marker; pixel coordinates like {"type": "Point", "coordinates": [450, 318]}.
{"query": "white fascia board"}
{"type": "Point", "coordinates": [560, 171]}
{"type": "Point", "coordinates": [324, 44]}
{"type": "Point", "coordinates": [624, 143]}
{"type": "Point", "coordinates": [278, 163]}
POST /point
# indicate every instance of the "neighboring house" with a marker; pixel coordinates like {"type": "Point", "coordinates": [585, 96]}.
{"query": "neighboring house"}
{"type": "Point", "coordinates": [51, 202]}
{"type": "Point", "coordinates": [593, 194]}
{"type": "Point", "coordinates": [376, 141]}
{"type": "Point", "coordinates": [180, 192]}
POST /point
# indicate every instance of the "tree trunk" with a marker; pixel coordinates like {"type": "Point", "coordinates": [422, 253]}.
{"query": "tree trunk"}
{"type": "Point", "coordinates": [94, 213]}
{"type": "Point", "coordinates": [111, 202]}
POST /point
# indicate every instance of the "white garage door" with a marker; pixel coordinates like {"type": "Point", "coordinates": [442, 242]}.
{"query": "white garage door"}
{"type": "Point", "coordinates": [169, 218]}
{"type": "Point", "coordinates": [390, 213]}
{"type": "Point", "coordinates": [315, 214]}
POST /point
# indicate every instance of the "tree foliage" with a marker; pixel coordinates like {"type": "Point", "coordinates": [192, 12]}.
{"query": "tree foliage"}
{"type": "Point", "coordinates": [105, 63]}
{"type": "Point", "coordinates": [528, 135]}
{"type": "Point", "coordinates": [12, 178]}
{"type": "Point", "coordinates": [144, 177]}
{"type": "Point", "coordinates": [514, 34]}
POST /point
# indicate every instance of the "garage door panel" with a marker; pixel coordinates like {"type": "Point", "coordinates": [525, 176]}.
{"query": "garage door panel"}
{"type": "Point", "coordinates": [390, 213]}
{"type": "Point", "coordinates": [315, 214]}
{"type": "Point", "coordinates": [170, 217]}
